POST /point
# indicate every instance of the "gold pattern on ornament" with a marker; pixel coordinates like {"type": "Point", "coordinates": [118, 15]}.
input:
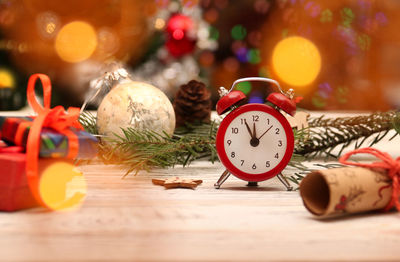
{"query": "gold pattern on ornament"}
{"type": "Point", "coordinates": [177, 182]}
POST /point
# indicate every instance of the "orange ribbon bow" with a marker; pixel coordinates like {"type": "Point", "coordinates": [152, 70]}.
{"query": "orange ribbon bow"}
{"type": "Point", "coordinates": [56, 118]}
{"type": "Point", "coordinates": [387, 163]}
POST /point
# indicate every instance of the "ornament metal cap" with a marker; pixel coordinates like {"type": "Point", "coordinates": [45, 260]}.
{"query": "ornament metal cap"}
{"type": "Point", "coordinates": [115, 73]}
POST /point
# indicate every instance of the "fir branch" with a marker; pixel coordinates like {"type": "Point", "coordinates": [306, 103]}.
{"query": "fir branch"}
{"type": "Point", "coordinates": [328, 134]}
{"type": "Point", "coordinates": [396, 123]}
{"type": "Point", "coordinates": [298, 176]}
{"type": "Point", "coordinates": [140, 150]}
{"type": "Point", "coordinates": [88, 121]}
{"type": "Point", "coordinates": [143, 150]}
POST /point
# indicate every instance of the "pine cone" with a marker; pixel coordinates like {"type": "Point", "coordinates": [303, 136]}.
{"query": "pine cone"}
{"type": "Point", "coordinates": [192, 103]}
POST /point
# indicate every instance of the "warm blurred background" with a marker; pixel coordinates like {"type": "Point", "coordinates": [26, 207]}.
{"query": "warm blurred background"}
{"type": "Point", "coordinates": [337, 55]}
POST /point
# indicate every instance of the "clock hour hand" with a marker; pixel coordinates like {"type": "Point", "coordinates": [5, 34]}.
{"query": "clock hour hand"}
{"type": "Point", "coordinates": [248, 128]}
{"type": "Point", "coordinates": [265, 132]}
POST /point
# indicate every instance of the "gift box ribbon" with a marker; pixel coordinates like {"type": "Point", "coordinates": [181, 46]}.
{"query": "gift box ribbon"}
{"type": "Point", "coordinates": [392, 166]}
{"type": "Point", "coordinates": [56, 118]}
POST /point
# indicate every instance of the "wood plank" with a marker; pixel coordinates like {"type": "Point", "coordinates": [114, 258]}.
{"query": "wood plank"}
{"type": "Point", "coordinates": [132, 219]}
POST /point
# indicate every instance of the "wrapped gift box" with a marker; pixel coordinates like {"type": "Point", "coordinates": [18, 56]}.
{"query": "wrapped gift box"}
{"type": "Point", "coordinates": [14, 189]}
{"type": "Point", "coordinates": [53, 144]}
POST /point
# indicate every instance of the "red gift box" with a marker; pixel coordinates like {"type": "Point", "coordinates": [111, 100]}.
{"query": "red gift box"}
{"type": "Point", "coordinates": [20, 172]}
{"type": "Point", "coordinates": [15, 193]}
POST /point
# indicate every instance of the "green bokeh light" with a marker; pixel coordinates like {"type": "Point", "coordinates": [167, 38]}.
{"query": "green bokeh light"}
{"type": "Point", "coordinates": [318, 101]}
{"type": "Point", "coordinates": [214, 33]}
{"type": "Point", "coordinates": [347, 16]}
{"type": "Point", "coordinates": [326, 16]}
{"type": "Point", "coordinates": [238, 32]}
{"type": "Point", "coordinates": [364, 41]}
{"type": "Point", "coordinates": [253, 56]}
{"type": "Point", "coordinates": [264, 72]}
{"type": "Point", "coordinates": [245, 87]}
{"type": "Point", "coordinates": [285, 33]}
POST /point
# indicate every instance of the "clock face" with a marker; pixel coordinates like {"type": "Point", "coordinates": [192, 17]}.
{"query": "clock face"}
{"type": "Point", "coordinates": [255, 142]}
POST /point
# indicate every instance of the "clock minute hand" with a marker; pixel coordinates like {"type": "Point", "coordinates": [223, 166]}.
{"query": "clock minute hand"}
{"type": "Point", "coordinates": [254, 136]}
{"type": "Point", "coordinates": [265, 132]}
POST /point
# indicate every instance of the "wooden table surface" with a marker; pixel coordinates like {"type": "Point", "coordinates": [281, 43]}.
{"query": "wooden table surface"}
{"type": "Point", "coordinates": [133, 220]}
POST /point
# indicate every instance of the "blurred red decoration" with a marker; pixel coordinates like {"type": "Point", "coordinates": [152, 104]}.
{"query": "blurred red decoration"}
{"type": "Point", "coordinates": [180, 40]}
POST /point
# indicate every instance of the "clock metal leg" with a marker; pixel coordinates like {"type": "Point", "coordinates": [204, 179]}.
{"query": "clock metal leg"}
{"type": "Point", "coordinates": [222, 179]}
{"type": "Point", "coordinates": [284, 182]}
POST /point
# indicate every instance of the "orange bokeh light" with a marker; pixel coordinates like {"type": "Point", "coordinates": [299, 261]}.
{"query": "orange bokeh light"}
{"type": "Point", "coordinates": [296, 61]}
{"type": "Point", "coordinates": [62, 186]}
{"type": "Point", "coordinates": [76, 42]}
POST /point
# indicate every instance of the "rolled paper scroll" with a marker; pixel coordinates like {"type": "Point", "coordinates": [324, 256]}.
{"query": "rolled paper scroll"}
{"type": "Point", "coordinates": [340, 191]}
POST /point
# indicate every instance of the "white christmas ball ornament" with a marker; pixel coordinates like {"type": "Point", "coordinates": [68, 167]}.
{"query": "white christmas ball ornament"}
{"type": "Point", "coordinates": [136, 105]}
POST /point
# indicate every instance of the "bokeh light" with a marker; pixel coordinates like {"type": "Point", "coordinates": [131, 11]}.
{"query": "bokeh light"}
{"type": "Point", "coordinates": [264, 72]}
{"type": "Point", "coordinates": [245, 87]}
{"type": "Point", "coordinates": [206, 58]}
{"type": "Point", "coordinates": [296, 61]}
{"type": "Point", "coordinates": [108, 41]}
{"type": "Point", "coordinates": [253, 56]}
{"type": "Point", "coordinates": [211, 15]}
{"type": "Point", "coordinates": [47, 24]}
{"type": "Point", "coordinates": [262, 6]}
{"type": "Point", "coordinates": [62, 186]}
{"type": "Point", "coordinates": [6, 79]}
{"type": "Point", "coordinates": [256, 97]}
{"type": "Point", "coordinates": [214, 33]}
{"type": "Point", "coordinates": [76, 42]}
{"type": "Point", "coordinates": [231, 64]}
{"type": "Point", "coordinates": [159, 24]}
{"type": "Point", "coordinates": [162, 3]}
{"type": "Point", "coordinates": [241, 54]}
{"type": "Point", "coordinates": [190, 3]}
{"type": "Point", "coordinates": [238, 32]}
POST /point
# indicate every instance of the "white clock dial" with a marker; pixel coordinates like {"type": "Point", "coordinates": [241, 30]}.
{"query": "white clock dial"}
{"type": "Point", "coordinates": [255, 142]}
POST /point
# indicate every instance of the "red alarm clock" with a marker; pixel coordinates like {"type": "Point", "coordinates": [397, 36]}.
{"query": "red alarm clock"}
{"type": "Point", "coordinates": [255, 142]}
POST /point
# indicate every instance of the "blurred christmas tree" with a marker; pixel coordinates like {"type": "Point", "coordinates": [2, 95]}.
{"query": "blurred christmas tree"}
{"type": "Point", "coordinates": [73, 41]}
{"type": "Point", "coordinates": [336, 54]}
{"type": "Point", "coordinates": [340, 54]}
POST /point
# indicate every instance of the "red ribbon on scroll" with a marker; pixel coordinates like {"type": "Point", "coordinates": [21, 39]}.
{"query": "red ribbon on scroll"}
{"type": "Point", "coordinates": [388, 163]}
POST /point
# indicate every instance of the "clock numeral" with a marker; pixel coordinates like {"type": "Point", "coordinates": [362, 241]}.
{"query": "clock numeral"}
{"type": "Point", "coordinates": [277, 130]}
{"type": "Point", "coordinates": [242, 121]}
{"type": "Point", "coordinates": [254, 166]}
{"type": "Point", "coordinates": [276, 155]}
{"type": "Point", "coordinates": [280, 143]}
{"type": "Point", "coordinates": [267, 164]}
{"type": "Point", "coordinates": [241, 162]}
{"type": "Point", "coordinates": [233, 154]}
{"type": "Point", "coordinates": [229, 142]}
{"type": "Point", "coordinates": [256, 118]}
{"type": "Point", "coordinates": [235, 130]}
{"type": "Point", "coordinates": [268, 121]}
